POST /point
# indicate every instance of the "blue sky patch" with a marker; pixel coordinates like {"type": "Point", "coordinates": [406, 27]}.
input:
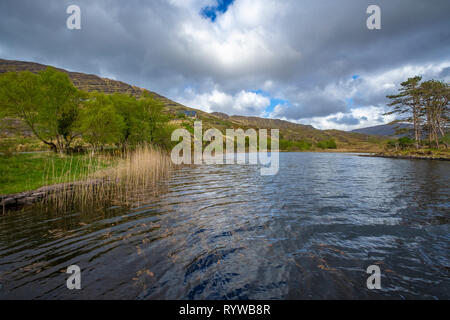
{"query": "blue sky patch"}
{"type": "Point", "coordinates": [273, 101]}
{"type": "Point", "coordinates": [211, 12]}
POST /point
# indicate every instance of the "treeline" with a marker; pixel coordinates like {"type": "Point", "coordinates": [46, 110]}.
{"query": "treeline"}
{"type": "Point", "coordinates": [59, 114]}
{"type": "Point", "coordinates": [426, 106]}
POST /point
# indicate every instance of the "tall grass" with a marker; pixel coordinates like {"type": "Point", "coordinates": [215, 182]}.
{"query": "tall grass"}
{"type": "Point", "coordinates": [119, 178]}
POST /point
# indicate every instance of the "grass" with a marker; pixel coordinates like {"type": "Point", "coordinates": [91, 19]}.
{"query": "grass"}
{"type": "Point", "coordinates": [87, 181]}
{"type": "Point", "coordinates": [21, 144]}
{"type": "Point", "coordinates": [23, 172]}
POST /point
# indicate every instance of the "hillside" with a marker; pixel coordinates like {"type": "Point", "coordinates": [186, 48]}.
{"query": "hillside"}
{"type": "Point", "coordinates": [386, 130]}
{"type": "Point", "coordinates": [346, 141]}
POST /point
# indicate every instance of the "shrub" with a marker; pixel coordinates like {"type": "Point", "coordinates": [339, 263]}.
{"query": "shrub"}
{"type": "Point", "coordinates": [405, 142]}
{"type": "Point", "coordinates": [327, 144]}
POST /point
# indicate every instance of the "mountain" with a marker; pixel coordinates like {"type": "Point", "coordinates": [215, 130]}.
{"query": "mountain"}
{"type": "Point", "coordinates": [387, 129]}
{"type": "Point", "coordinates": [350, 141]}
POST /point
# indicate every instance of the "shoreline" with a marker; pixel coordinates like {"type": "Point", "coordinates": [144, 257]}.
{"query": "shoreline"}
{"type": "Point", "coordinates": [404, 157]}
{"type": "Point", "coordinates": [17, 201]}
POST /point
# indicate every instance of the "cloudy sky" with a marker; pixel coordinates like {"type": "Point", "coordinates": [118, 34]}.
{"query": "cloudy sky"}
{"type": "Point", "coordinates": [308, 61]}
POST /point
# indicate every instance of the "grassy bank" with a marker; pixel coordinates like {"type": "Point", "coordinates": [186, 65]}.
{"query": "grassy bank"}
{"type": "Point", "coordinates": [28, 171]}
{"type": "Point", "coordinates": [23, 172]}
{"type": "Point", "coordinates": [84, 181]}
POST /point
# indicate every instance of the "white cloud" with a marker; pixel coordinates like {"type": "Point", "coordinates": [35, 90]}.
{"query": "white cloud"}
{"type": "Point", "coordinates": [242, 103]}
{"type": "Point", "coordinates": [367, 116]}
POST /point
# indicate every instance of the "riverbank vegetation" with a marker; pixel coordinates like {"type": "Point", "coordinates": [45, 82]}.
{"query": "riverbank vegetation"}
{"type": "Point", "coordinates": [114, 143]}
{"type": "Point", "coordinates": [120, 177]}
{"type": "Point", "coordinates": [426, 106]}
{"type": "Point", "coordinates": [67, 119]}
{"type": "Point", "coordinates": [126, 179]}
{"type": "Point", "coordinates": [28, 171]}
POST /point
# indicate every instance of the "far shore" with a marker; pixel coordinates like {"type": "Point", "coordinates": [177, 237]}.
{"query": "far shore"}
{"type": "Point", "coordinates": [407, 157]}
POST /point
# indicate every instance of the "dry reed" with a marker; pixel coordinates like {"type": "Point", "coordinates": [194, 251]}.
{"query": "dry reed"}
{"type": "Point", "coordinates": [125, 178]}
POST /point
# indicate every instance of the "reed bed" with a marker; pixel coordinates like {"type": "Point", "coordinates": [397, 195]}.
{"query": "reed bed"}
{"type": "Point", "coordinates": [122, 178]}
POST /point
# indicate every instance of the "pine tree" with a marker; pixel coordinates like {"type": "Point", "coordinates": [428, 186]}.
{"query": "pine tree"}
{"type": "Point", "coordinates": [408, 102]}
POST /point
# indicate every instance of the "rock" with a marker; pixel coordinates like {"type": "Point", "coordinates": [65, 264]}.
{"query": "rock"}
{"type": "Point", "coordinates": [38, 195]}
{"type": "Point", "coordinates": [8, 202]}
{"type": "Point", "coordinates": [26, 201]}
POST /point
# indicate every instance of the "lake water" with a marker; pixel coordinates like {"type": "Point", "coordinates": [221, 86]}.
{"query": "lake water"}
{"type": "Point", "coordinates": [225, 232]}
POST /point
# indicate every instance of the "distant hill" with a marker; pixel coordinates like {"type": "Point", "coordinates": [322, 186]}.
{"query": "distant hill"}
{"type": "Point", "coordinates": [386, 130]}
{"type": "Point", "coordinates": [87, 82]}
{"type": "Point", "coordinates": [351, 141]}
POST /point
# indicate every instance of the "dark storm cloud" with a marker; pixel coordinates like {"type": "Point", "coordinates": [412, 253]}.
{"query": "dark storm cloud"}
{"type": "Point", "coordinates": [307, 50]}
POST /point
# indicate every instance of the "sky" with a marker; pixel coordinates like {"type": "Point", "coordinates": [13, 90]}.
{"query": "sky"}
{"type": "Point", "coordinates": [307, 61]}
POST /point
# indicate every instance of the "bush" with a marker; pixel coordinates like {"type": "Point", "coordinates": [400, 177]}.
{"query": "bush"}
{"type": "Point", "coordinates": [291, 145]}
{"type": "Point", "coordinates": [401, 143]}
{"type": "Point", "coordinates": [392, 144]}
{"type": "Point", "coordinates": [405, 142]}
{"type": "Point", "coordinates": [445, 140]}
{"type": "Point", "coordinates": [327, 144]}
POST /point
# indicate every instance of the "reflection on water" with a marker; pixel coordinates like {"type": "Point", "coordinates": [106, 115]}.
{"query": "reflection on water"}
{"type": "Point", "coordinates": [226, 232]}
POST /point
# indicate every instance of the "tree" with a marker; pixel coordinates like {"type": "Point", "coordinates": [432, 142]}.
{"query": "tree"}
{"type": "Point", "coordinates": [19, 97]}
{"type": "Point", "coordinates": [155, 120]}
{"type": "Point", "coordinates": [100, 123]}
{"type": "Point", "coordinates": [408, 102]}
{"type": "Point", "coordinates": [133, 118]}
{"type": "Point", "coordinates": [47, 102]}
{"type": "Point", "coordinates": [435, 96]}
{"type": "Point", "coordinates": [59, 112]}
{"type": "Point", "coordinates": [144, 121]}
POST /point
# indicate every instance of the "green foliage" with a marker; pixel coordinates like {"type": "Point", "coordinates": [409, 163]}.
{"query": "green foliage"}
{"type": "Point", "coordinates": [132, 117]}
{"type": "Point", "coordinates": [188, 127]}
{"type": "Point", "coordinates": [57, 113]}
{"type": "Point", "coordinates": [392, 143]}
{"type": "Point", "coordinates": [47, 102]}
{"type": "Point", "coordinates": [425, 105]}
{"type": "Point", "coordinates": [402, 143]}
{"type": "Point", "coordinates": [19, 96]}
{"type": "Point", "coordinates": [327, 144]}
{"type": "Point", "coordinates": [59, 106]}
{"type": "Point", "coordinates": [162, 138]}
{"type": "Point", "coordinates": [21, 172]}
{"type": "Point", "coordinates": [127, 121]}
{"type": "Point", "coordinates": [445, 139]}
{"type": "Point", "coordinates": [291, 145]}
{"type": "Point", "coordinates": [155, 120]}
{"type": "Point", "coordinates": [405, 142]}
{"type": "Point", "coordinates": [100, 123]}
